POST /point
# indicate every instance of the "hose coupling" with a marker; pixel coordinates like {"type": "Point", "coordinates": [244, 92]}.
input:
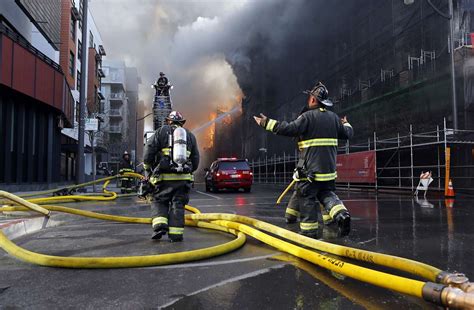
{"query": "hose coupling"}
{"type": "Point", "coordinates": [454, 297]}
{"type": "Point", "coordinates": [467, 287]}
{"type": "Point", "coordinates": [458, 280]}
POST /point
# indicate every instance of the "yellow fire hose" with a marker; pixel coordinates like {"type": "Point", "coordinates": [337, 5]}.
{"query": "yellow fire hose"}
{"type": "Point", "coordinates": [286, 191]}
{"type": "Point", "coordinates": [413, 267]}
{"type": "Point", "coordinates": [349, 290]}
{"type": "Point", "coordinates": [21, 201]}
{"type": "Point", "coordinates": [442, 295]}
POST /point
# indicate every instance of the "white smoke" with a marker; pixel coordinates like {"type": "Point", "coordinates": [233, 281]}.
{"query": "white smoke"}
{"type": "Point", "coordinates": [179, 38]}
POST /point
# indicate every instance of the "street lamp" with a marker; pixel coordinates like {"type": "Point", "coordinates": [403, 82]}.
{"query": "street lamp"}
{"type": "Point", "coordinates": [450, 17]}
{"type": "Point", "coordinates": [136, 133]}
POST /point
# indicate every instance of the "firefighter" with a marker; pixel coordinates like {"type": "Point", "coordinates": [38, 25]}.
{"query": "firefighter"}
{"type": "Point", "coordinates": [318, 131]}
{"type": "Point", "coordinates": [171, 156]}
{"type": "Point", "coordinates": [292, 212]}
{"type": "Point", "coordinates": [162, 85]}
{"type": "Point", "coordinates": [125, 166]}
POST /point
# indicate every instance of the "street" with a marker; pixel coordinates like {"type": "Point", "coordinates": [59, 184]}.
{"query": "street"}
{"type": "Point", "coordinates": [253, 277]}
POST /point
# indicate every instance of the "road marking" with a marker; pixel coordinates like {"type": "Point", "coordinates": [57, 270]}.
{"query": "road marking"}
{"type": "Point", "coordinates": [224, 262]}
{"type": "Point", "coordinates": [367, 241]}
{"type": "Point", "coordinates": [208, 195]}
{"type": "Point", "coordinates": [234, 279]}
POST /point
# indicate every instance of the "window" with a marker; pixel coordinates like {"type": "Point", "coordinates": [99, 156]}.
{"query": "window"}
{"type": "Point", "coordinates": [91, 39]}
{"type": "Point", "coordinates": [79, 50]}
{"type": "Point", "coordinates": [78, 82]}
{"type": "Point", "coordinates": [73, 28]}
{"type": "Point", "coordinates": [77, 111]}
{"type": "Point", "coordinates": [96, 96]}
{"type": "Point", "coordinates": [72, 64]}
{"type": "Point", "coordinates": [81, 10]}
{"type": "Point", "coordinates": [233, 165]}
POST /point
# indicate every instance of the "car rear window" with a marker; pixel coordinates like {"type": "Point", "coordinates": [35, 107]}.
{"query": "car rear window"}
{"type": "Point", "coordinates": [233, 165]}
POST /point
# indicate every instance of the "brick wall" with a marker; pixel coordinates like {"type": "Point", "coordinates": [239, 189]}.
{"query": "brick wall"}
{"type": "Point", "coordinates": [67, 44]}
{"type": "Point", "coordinates": [92, 82]}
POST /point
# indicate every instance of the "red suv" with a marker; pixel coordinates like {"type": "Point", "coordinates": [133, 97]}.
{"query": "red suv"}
{"type": "Point", "coordinates": [229, 173]}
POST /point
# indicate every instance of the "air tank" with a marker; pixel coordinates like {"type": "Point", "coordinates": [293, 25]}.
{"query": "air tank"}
{"type": "Point", "coordinates": [179, 146]}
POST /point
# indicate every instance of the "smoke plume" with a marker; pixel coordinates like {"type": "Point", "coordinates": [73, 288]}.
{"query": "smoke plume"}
{"type": "Point", "coordinates": [208, 48]}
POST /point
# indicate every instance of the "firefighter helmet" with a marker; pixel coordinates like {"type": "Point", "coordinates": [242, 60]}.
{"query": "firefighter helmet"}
{"type": "Point", "coordinates": [176, 117]}
{"type": "Point", "coordinates": [320, 92]}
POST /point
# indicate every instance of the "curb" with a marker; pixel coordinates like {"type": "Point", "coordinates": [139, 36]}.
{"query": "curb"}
{"type": "Point", "coordinates": [16, 228]}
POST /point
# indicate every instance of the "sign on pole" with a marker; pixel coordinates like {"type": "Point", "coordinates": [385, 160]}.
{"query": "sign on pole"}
{"type": "Point", "coordinates": [92, 124]}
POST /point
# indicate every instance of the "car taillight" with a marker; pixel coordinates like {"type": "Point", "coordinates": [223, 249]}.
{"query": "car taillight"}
{"type": "Point", "coordinates": [251, 173]}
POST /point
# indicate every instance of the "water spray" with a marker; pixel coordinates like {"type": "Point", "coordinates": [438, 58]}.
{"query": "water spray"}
{"type": "Point", "coordinates": [216, 120]}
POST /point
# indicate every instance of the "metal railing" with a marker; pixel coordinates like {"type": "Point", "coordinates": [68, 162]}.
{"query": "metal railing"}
{"type": "Point", "coordinates": [114, 112]}
{"type": "Point", "coordinates": [115, 128]}
{"type": "Point", "coordinates": [117, 96]}
{"type": "Point", "coordinates": [399, 160]}
{"type": "Point", "coordinates": [23, 42]}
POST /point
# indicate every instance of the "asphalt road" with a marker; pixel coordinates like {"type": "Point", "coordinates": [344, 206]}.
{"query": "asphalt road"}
{"type": "Point", "coordinates": [253, 277]}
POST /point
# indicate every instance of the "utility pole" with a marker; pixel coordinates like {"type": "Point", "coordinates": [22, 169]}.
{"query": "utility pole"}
{"type": "Point", "coordinates": [453, 72]}
{"type": "Point", "coordinates": [82, 99]}
{"type": "Point", "coordinates": [136, 135]}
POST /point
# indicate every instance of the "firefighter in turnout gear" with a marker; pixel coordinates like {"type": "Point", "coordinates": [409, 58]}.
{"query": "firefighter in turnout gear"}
{"type": "Point", "coordinates": [292, 212]}
{"type": "Point", "coordinates": [125, 166]}
{"type": "Point", "coordinates": [171, 156]}
{"type": "Point", "coordinates": [162, 85]}
{"type": "Point", "coordinates": [318, 131]}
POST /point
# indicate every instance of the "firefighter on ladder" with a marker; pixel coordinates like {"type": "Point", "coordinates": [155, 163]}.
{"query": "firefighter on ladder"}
{"type": "Point", "coordinates": [171, 156]}
{"type": "Point", "coordinates": [125, 166]}
{"type": "Point", "coordinates": [318, 131]}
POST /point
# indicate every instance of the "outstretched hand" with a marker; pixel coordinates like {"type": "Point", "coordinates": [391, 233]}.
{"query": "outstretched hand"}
{"type": "Point", "coordinates": [262, 120]}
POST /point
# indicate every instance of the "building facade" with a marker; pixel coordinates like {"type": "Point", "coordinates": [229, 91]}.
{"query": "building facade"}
{"type": "Point", "coordinates": [36, 103]}
{"type": "Point", "coordinates": [386, 65]}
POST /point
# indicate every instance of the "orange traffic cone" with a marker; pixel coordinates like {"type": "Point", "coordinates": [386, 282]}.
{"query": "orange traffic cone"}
{"type": "Point", "coordinates": [450, 192]}
{"type": "Point", "coordinates": [449, 203]}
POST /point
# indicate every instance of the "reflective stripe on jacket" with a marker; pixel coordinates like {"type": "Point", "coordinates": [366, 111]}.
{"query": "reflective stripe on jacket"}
{"type": "Point", "coordinates": [318, 131]}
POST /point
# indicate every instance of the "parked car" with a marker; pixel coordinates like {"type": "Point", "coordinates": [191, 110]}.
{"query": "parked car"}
{"type": "Point", "coordinates": [103, 168]}
{"type": "Point", "coordinates": [229, 173]}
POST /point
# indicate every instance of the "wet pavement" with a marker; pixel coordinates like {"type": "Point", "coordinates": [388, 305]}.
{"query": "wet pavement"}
{"type": "Point", "coordinates": [253, 277]}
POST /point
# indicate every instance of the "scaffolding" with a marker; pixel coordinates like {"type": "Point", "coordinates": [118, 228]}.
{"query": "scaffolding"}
{"type": "Point", "coordinates": [399, 160]}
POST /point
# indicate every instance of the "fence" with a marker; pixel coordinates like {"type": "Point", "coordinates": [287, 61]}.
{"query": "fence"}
{"type": "Point", "coordinates": [399, 160]}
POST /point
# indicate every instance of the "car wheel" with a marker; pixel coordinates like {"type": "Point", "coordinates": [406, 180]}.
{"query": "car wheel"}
{"type": "Point", "coordinates": [247, 190]}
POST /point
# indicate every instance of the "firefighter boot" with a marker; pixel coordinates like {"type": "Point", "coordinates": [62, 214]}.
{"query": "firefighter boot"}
{"type": "Point", "coordinates": [343, 220]}
{"type": "Point", "coordinates": [175, 238]}
{"type": "Point", "coordinates": [159, 231]}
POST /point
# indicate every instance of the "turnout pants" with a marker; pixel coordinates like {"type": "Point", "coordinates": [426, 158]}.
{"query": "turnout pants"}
{"type": "Point", "coordinates": [126, 183]}
{"type": "Point", "coordinates": [292, 213]}
{"type": "Point", "coordinates": [167, 207]}
{"type": "Point", "coordinates": [312, 193]}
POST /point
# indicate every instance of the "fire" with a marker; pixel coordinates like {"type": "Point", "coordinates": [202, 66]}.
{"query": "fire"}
{"type": "Point", "coordinates": [210, 132]}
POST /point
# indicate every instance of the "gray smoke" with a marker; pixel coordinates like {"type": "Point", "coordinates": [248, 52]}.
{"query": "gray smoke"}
{"type": "Point", "coordinates": [208, 48]}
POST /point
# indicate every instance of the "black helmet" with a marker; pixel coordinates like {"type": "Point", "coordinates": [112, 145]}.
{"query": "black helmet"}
{"type": "Point", "coordinates": [162, 74]}
{"type": "Point", "coordinates": [320, 92]}
{"type": "Point", "coordinates": [176, 117]}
